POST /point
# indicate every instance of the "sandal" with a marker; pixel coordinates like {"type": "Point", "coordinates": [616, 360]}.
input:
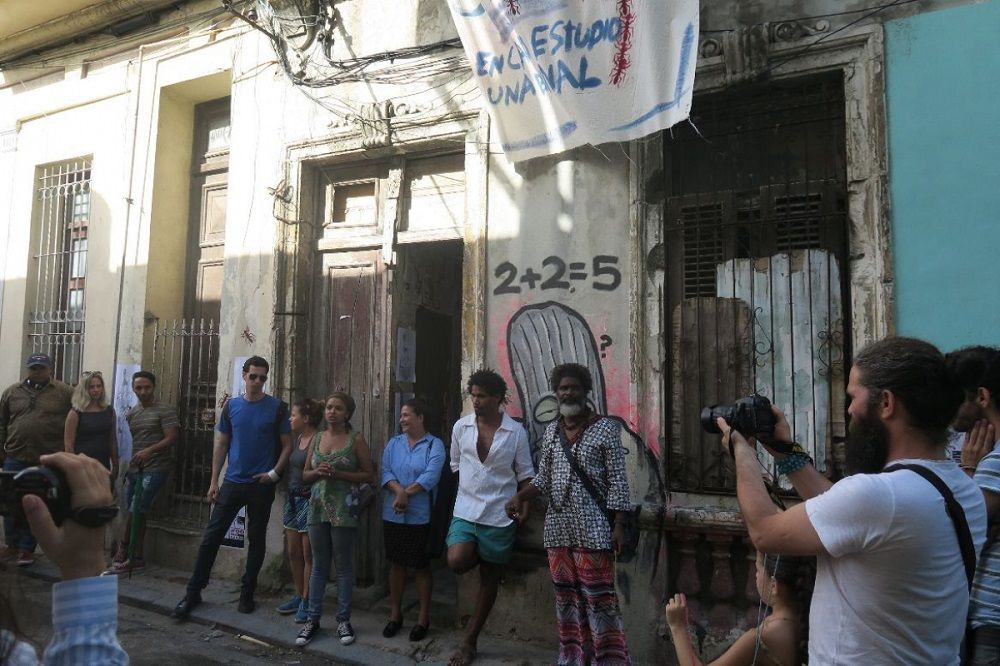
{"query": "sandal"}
{"type": "Point", "coordinates": [391, 627]}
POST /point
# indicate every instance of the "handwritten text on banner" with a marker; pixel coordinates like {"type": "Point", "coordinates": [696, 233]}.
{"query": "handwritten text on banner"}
{"type": "Point", "coordinates": [557, 74]}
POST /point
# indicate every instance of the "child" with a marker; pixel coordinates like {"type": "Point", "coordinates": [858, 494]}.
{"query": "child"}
{"type": "Point", "coordinates": [784, 585]}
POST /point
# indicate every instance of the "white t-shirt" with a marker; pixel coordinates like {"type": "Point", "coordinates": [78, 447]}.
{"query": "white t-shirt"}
{"type": "Point", "coordinates": [892, 588]}
{"type": "Point", "coordinates": [485, 487]}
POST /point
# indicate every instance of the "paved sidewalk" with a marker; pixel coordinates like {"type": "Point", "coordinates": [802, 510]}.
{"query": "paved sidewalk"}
{"type": "Point", "coordinates": [160, 588]}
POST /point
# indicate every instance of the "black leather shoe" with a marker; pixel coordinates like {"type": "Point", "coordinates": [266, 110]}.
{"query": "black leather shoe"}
{"type": "Point", "coordinates": [246, 604]}
{"type": "Point", "coordinates": [186, 605]}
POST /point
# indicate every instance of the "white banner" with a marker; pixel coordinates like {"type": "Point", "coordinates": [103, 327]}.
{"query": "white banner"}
{"type": "Point", "coordinates": [557, 74]}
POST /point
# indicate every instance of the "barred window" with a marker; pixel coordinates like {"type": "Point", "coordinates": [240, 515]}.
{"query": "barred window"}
{"type": "Point", "coordinates": [57, 298]}
{"type": "Point", "coordinates": [756, 280]}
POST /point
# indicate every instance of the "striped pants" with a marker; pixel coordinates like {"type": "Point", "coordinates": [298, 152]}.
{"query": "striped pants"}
{"type": "Point", "coordinates": [587, 613]}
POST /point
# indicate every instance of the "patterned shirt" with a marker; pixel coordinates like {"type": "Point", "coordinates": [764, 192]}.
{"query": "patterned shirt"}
{"type": "Point", "coordinates": [984, 607]}
{"type": "Point", "coordinates": [84, 623]}
{"type": "Point", "coordinates": [573, 519]}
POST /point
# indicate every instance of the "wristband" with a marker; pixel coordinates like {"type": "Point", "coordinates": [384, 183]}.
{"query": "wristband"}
{"type": "Point", "coordinates": [274, 476]}
{"type": "Point", "coordinates": [791, 464]}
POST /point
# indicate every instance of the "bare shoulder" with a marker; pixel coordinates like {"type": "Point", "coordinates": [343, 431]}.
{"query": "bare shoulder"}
{"type": "Point", "coordinates": [781, 636]}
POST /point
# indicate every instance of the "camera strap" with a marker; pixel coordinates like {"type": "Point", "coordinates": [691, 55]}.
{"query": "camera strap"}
{"type": "Point", "coordinates": [585, 479]}
{"type": "Point", "coordinates": [956, 513]}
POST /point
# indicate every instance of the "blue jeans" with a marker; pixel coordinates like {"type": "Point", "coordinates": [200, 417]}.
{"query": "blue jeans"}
{"type": "Point", "coordinates": [257, 498]}
{"type": "Point", "coordinates": [18, 535]}
{"type": "Point", "coordinates": [338, 543]}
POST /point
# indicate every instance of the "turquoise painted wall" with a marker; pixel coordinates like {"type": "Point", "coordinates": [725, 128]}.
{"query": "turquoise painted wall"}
{"type": "Point", "coordinates": [943, 98]}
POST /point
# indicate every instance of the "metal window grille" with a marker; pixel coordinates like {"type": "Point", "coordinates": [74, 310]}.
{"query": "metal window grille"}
{"type": "Point", "coordinates": [185, 361]}
{"type": "Point", "coordinates": [58, 312]}
{"type": "Point", "coordinates": [755, 228]}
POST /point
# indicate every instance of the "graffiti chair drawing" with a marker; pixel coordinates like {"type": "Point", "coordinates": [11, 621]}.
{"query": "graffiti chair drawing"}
{"type": "Point", "coordinates": [544, 335]}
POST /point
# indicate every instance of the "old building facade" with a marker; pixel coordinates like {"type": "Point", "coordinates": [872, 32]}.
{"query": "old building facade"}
{"type": "Point", "coordinates": [189, 183]}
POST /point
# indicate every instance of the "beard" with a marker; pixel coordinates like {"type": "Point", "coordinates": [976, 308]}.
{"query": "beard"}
{"type": "Point", "coordinates": [867, 446]}
{"type": "Point", "coordinates": [571, 408]}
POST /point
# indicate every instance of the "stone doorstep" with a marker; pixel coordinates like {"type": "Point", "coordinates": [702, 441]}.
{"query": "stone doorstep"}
{"type": "Point", "coordinates": [158, 589]}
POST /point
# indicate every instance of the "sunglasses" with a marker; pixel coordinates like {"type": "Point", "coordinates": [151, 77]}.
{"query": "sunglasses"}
{"type": "Point", "coordinates": [255, 377]}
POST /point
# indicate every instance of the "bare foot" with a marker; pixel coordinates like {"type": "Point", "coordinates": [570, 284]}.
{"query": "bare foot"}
{"type": "Point", "coordinates": [463, 656]}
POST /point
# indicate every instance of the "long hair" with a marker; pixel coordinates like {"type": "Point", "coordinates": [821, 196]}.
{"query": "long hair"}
{"type": "Point", "coordinates": [798, 575]}
{"type": "Point", "coordinates": [81, 399]}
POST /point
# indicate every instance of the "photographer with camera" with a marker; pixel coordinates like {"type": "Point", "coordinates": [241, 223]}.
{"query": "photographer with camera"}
{"type": "Point", "coordinates": [893, 549]}
{"type": "Point", "coordinates": [84, 604]}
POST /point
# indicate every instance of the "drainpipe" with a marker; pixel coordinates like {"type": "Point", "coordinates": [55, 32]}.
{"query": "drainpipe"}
{"type": "Point", "coordinates": [128, 214]}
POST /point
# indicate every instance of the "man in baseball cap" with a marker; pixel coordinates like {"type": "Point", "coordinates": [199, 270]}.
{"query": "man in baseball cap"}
{"type": "Point", "coordinates": [32, 418]}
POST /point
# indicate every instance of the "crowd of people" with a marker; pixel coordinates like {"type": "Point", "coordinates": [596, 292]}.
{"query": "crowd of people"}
{"type": "Point", "coordinates": [829, 572]}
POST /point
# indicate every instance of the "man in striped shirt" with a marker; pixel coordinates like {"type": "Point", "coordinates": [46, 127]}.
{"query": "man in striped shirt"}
{"type": "Point", "coordinates": [979, 417]}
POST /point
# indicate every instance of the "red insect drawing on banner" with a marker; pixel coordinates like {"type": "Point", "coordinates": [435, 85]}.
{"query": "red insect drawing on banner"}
{"type": "Point", "coordinates": [621, 62]}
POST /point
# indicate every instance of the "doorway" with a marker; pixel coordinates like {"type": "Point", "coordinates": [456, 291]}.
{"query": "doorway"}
{"type": "Point", "coordinates": [427, 298]}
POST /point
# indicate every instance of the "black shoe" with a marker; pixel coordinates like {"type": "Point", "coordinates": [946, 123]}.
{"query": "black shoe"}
{"type": "Point", "coordinates": [419, 632]}
{"type": "Point", "coordinates": [308, 632]}
{"type": "Point", "coordinates": [391, 628]}
{"type": "Point", "coordinates": [246, 604]}
{"type": "Point", "coordinates": [186, 605]}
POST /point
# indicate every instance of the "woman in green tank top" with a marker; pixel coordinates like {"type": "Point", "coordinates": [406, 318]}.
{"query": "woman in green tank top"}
{"type": "Point", "coordinates": [338, 460]}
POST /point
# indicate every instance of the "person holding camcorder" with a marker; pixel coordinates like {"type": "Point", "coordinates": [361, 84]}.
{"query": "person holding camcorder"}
{"type": "Point", "coordinates": [896, 542]}
{"type": "Point", "coordinates": [67, 502]}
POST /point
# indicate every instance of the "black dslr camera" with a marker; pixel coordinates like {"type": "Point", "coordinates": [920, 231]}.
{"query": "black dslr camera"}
{"type": "Point", "coordinates": [46, 482]}
{"type": "Point", "coordinates": [750, 416]}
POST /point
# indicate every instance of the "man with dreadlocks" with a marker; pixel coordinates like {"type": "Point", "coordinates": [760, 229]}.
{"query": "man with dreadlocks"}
{"type": "Point", "coordinates": [893, 565]}
{"type": "Point", "coordinates": [582, 473]}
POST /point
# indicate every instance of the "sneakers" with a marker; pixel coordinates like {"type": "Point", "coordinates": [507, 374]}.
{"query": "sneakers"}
{"type": "Point", "coordinates": [246, 604]}
{"type": "Point", "coordinates": [25, 558]}
{"type": "Point", "coordinates": [346, 633]}
{"type": "Point", "coordinates": [302, 615]}
{"type": "Point", "coordinates": [290, 606]}
{"type": "Point", "coordinates": [126, 566]}
{"type": "Point", "coordinates": [308, 632]}
{"type": "Point", "coordinates": [186, 605]}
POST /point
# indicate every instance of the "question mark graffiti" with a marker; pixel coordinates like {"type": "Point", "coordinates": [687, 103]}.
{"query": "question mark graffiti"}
{"type": "Point", "coordinates": [605, 343]}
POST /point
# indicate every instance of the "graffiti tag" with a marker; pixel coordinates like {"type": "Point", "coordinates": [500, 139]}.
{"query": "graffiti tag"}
{"type": "Point", "coordinates": [557, 274]}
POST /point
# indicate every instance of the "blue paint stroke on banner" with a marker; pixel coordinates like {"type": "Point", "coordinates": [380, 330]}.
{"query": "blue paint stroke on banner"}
{"type": "Point", "coordinates": [680, 91]}
{"type": "Point", "coordinates": [543, 139]}
{"type": "Point", "coordinates": [469, 13]}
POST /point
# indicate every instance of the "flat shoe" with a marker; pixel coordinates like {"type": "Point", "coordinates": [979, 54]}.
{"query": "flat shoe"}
{"type": "Point", "coordinates": [391, 627]}
{"type": "Point", "coordinates": [418, 633]}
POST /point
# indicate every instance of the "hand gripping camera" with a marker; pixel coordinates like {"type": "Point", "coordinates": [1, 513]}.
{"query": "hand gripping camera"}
{"type": "Point", "coordinates": [46, 482]}
{"type": "Point", "coordinates": [50, 484]}
{"type": "Point", "coordinates": [750, 416]}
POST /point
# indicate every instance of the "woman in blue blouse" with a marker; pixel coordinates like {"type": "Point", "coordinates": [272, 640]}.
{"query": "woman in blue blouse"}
{"type": "Point", "coordinates": [411, 467]}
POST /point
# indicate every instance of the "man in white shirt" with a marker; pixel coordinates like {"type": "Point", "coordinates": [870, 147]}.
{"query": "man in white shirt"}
{"type": "Point", "coordinates": [490, 452]}
{"type": "Point", "coordinates": [891, 583]}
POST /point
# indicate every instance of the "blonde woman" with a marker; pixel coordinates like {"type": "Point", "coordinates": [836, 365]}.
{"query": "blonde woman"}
{"type": "Point", "coordinates": [91, 426]}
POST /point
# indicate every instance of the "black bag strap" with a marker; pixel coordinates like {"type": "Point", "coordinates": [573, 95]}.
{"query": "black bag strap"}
{"type": "Point", "coordinates": [588, 484]}
{"type": "Point", "coordinates": [956, 513]}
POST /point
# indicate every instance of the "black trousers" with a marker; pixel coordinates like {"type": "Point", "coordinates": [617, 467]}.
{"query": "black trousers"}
{"type": "Point", "coordinates": [257, 498]}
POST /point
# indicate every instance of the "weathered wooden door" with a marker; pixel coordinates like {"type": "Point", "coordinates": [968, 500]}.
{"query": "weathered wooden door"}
{"type": "Point", "coordinates": [350, 353]}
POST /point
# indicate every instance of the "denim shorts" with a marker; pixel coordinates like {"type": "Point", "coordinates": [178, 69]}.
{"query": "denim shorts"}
{"type": "Point", "coordinates": [495, 544]}
{"type": "Point", "coordinates": [151, 484]}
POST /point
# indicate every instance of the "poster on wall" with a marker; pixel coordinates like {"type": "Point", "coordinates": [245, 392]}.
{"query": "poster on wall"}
{"type": "Point", "coordinates": [557, 74]}
{"type": "Point", "coordinates": [236, 534]}
{"type": "Point", "coordinates": [123, 398]}
{"type": "Point", "coordinates": [406, 355]}
{"type": "Point", "coordinates": [237, 387]}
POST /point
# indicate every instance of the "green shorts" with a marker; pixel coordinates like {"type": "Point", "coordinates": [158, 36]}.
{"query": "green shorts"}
{"type": "Point", "coordinates": [495, 544]}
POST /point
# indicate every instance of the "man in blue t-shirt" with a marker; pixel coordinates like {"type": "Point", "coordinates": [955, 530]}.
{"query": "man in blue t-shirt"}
{"type": "Point", "coordinates": [254, 433]}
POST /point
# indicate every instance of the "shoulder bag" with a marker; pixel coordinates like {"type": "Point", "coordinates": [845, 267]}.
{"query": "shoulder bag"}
{"type": "Point", "coordinates": [630, 524]}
